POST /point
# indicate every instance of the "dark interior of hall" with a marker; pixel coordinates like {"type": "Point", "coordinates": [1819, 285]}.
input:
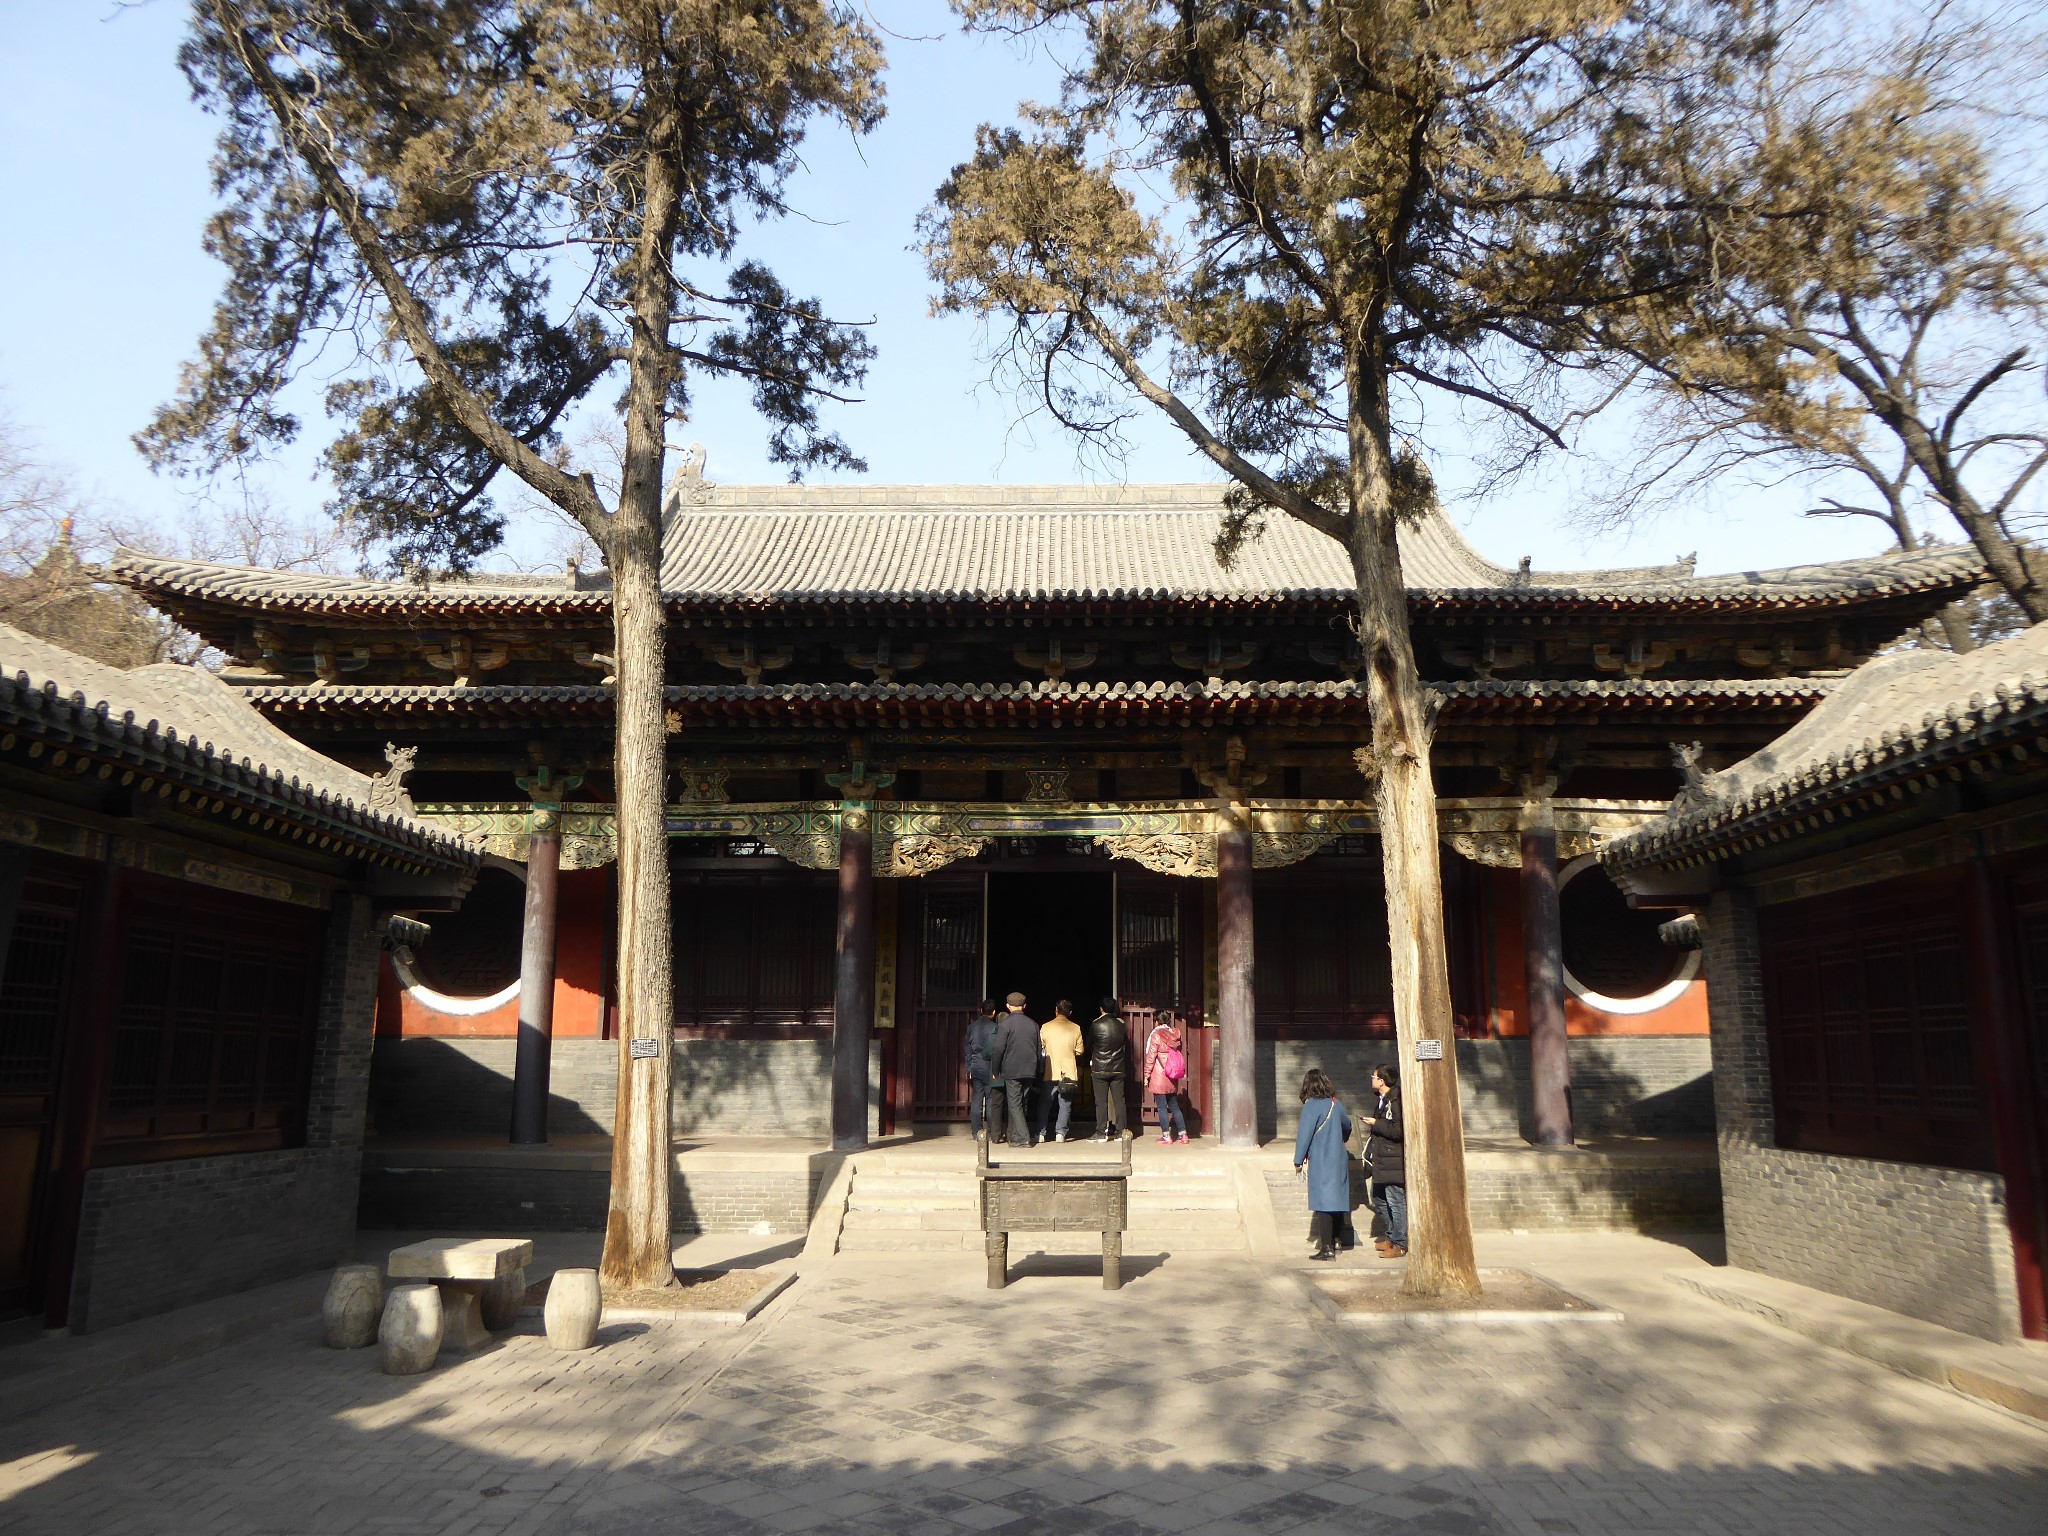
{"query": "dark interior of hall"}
{"type": "Point", "coordinates": [1050, 936]}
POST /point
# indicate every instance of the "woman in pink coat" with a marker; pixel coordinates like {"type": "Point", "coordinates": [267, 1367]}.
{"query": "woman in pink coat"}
{"type": "Point", "coordinates": [1166, 1068]}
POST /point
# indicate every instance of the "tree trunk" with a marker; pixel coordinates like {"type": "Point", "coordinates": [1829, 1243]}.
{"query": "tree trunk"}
{"type": "Point", "coordinates": [1440, 1256]}
{"type": "Point", "coordinates": [638, 1243]}
{"type": "Point", "coordinates": [1237, 1086]}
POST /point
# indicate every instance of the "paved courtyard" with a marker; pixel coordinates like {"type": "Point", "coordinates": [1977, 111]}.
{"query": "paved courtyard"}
{"type": "Point", "coordinates": [899, 1396]}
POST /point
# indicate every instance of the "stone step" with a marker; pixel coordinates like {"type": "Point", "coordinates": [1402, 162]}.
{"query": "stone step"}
{"type": "Point", "coordinates": [965, 1219]}
{"type": "Point", "coordinates": [889, 1199]}
{"type": "Point", "coordinates": [1138, 1241]}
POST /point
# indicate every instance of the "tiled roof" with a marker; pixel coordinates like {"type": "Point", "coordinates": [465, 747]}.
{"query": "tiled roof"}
{"type": "Point", "coordinates": [189, 727]}
{"type": "Point", "coordinates": [1891, 720]}
{"type": "Point", "coordinates": [1023, 702]}
{"type": "Point", "coordinates": [759, 547]}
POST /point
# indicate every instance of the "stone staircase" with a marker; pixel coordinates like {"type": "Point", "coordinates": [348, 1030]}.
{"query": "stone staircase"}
{"type": "Point", "coordinates": [1177, 1206]}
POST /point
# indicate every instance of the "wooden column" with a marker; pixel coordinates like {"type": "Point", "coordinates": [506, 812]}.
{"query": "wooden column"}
{"type": "Point", "coordinates": [1237, 1068]}
{"type": "Point", "coordinates": [534, 1056]}
{"type": "Point", "coordinates": [853, 995]}
{"type": "Point", "coordinates": [95, 988]}
{"type": "Point", "coordinates": [1550, 1068]}
{"type": "Point", "coordinates": [2002, 1068]}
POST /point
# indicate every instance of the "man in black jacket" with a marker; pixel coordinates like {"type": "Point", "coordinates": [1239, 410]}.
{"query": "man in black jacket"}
{"type": "Point", "coordinates": [1109, 1063]}
{"type": "Point", "coordinates": [1015, 1065]}
{"type": "Point", "coordinates": [984, 1102]}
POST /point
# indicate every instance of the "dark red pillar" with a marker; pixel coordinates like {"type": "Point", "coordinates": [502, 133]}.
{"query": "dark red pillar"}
{"type": "Point", "coordinates": [853, 995]}
{"type": "Point", "coordinates": [2002, 1068]}
{"type": "Point", "coordinates": [1237, 1068]}
{"type": "Point", "coordinates": [534, 1058]}
{"type": "Point", "coordinates": [1550, 1067]}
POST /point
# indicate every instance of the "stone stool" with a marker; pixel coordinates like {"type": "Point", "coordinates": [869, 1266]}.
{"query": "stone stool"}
{"type": "Point", "coordinates": [353, 1307]}
{"type": "Point", "coordinates": [410, 1334]}
{"type": "Point", "coordinates": [574, 1309]}
{"type": "Point", "coordinates": [464, 1268]}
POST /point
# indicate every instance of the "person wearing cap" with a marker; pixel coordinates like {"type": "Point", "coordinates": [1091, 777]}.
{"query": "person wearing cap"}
{"type": "Point", "coordinates": [1015, 1066]}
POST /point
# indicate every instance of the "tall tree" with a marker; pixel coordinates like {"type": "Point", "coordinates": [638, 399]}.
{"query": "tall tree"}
{"type": "Point", "coordinates": [1852, 283]}
{"type": "Point", "coordinates": [1358, 193]}
{"type": "Point", "coordinates": [500, 204]}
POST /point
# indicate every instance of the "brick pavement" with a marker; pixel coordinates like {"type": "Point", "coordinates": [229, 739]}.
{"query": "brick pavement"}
{"type": "Point", "coordinates": [898, 1396]}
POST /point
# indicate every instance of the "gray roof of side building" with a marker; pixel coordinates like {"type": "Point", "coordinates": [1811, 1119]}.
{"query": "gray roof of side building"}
{"type": "Point", "coordinates": [185, 726]}
{"type": "Point", "coordinates": [763, 546]}
{"type": "Point", "coordinates": [1891, 720]}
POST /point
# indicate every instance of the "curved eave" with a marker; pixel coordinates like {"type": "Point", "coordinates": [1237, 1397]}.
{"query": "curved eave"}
{"type": "Point", "coordinates": [1027, 704]}
{"type": "Point", "coordinates": [1993, 738]}
{"type": "Point", "coordinates": [203, 607]}
{"type": "Point", "coordinates": [103, 742]}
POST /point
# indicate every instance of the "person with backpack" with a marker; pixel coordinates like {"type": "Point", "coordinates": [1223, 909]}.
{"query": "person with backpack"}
{"type": "Point", "coordinates": [982, 1099]}
{"type": "Point", "coordinates": [1109, 1063]}
{"type": "Point", "coordinates": [1386, 1161]}
{"type": "Point", "coordinates": [1319, 1149]}
{"type": "Point", "coordinates": [1166, 1069]}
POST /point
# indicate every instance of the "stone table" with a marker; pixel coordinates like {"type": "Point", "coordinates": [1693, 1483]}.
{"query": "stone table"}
{"type": "Point", "coordinates": [481, 1280]}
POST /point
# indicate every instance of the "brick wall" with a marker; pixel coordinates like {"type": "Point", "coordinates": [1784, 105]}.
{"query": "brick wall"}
{"type": "Point", "coordinates": [1643, 1085]}
{"type": "Point", "coordinates": [1572, 1192]}
{"type": "Point", "coordinates": [155, 1236]}
{"type": "Point", "coordinates": [1929, 1242]}
{"type": "Point", "coordinates": [397, 1195]}
{"type": "Point", "coordinates": [462, 1087]}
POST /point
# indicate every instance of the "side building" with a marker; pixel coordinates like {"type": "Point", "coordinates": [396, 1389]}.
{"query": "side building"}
{"type": "Point", "coordinates": [1872, 895]}
{"type": "Point", "coordinates": [191, 909]}
{"type": "Point", "coordinates": [1039, 739]}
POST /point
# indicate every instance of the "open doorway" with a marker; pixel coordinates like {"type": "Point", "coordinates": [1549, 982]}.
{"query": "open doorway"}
{"type": "Point", "coordinates": [1049, 937]}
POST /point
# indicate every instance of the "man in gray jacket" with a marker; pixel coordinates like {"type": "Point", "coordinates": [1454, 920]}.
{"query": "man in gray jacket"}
{"type": "Point", "coordinates": [1015, 1065]}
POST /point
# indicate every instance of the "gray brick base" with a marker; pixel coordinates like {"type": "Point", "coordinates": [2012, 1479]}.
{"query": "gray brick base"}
{"type": "Point", "coordinates": [1929, 1242]}
{"type": "Point", "coordinates": [1622, 1085]}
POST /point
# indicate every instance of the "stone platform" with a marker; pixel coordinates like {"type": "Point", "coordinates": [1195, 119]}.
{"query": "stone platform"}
{"type": "Point", "coordinates": [916, 1192]}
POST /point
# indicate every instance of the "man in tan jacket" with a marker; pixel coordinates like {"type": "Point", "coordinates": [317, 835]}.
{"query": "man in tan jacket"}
{"type": "Point", "coordinates": [1059, 1037]}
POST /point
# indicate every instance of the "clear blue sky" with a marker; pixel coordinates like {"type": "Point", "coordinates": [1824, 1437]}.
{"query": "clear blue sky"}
{"type": "Point", "coordinates": [105, 189]}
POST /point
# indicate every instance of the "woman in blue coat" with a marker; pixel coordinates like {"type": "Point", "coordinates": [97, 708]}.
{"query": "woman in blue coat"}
{"type": "Point", "coordinates": [1325, 1127]}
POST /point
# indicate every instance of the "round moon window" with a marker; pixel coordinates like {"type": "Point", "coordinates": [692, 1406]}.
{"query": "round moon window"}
{"type": "Point", "coordinates": [470, 962]}
{"type": "Point", "coordinates": [1613, 959]}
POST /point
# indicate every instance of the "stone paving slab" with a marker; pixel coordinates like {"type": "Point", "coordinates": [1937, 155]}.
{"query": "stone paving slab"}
{"type": "Point", "coordinates": [2009, 1376]}
{"type": "Point", "coordinates": [892, 1396]}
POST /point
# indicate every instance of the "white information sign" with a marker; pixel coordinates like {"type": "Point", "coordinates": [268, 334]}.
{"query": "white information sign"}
{"type": "Point", "coordinates": [1429, 1050]}
{"type": "Point", "coordinates": [643, 1050]}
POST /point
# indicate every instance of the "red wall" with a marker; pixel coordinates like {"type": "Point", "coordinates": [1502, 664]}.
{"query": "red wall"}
{"type": "Point", "coordinates": [582, 970]}
{"type": "Point", "coordinates": [1685, 1016]}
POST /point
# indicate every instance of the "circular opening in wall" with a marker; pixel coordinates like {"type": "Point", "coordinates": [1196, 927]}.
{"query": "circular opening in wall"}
{"type": "Point", "coordinates": [1613, 959]}
{"type": "Point", "coordinates": [473, 952]}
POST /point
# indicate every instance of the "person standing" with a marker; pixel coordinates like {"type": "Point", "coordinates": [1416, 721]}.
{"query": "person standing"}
{"type": "Point", "coordinates": [1059, 1039]}
{"type": "Point", "coordinates": [1385, 1160]}
{"type": "Point", "coordinates": [1319, 1147]}
{"type": "Point", "coordinates": [1166, 1068]}
{"type": "Point", "coordinates": [983, 1104]}
{"type": "Point", "coordinates": [1015, 1066]}
{"type": "Point", "coordinates": [1109, 1063]}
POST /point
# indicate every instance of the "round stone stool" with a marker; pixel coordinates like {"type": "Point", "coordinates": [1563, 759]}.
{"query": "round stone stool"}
{"type": "Point", "coordinates": [410, 1335]}
{"type": "Point", "coordinates": [574, 1309]}
{"type": "Point", "coordinates": [354, 1302]}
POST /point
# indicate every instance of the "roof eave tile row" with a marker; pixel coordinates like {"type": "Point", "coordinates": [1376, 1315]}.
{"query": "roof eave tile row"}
{"type": "Point", "coordinates": [999, 703]}
{"type": "Point", "coordinates": [72, 723]}
{"type": "Point", "coordinates": [2009, 721]}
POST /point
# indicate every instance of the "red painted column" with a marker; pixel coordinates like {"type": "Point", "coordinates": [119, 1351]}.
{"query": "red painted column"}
{"type": "Point", "coordinates": [853, 995]}
{"type": "Point", "coordinates": [1550, 1068]}
{"type": "Point", "coordinates": [1237, 1067]}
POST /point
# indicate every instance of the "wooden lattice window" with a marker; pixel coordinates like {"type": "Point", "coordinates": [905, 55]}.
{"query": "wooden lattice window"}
{"type": "Point", "coordinates": [1320, 941]}
{"type": "Point", "coordinates": [213, 1028]}
{"type": "Point", "coordinates": [753, 946]}
{"type": "Point", "coordinates": [1148, 945]}
{"type": "Point", "coordinates": [952, 947]}
{"type": "Point", "coordinates": [1867, 1009]}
